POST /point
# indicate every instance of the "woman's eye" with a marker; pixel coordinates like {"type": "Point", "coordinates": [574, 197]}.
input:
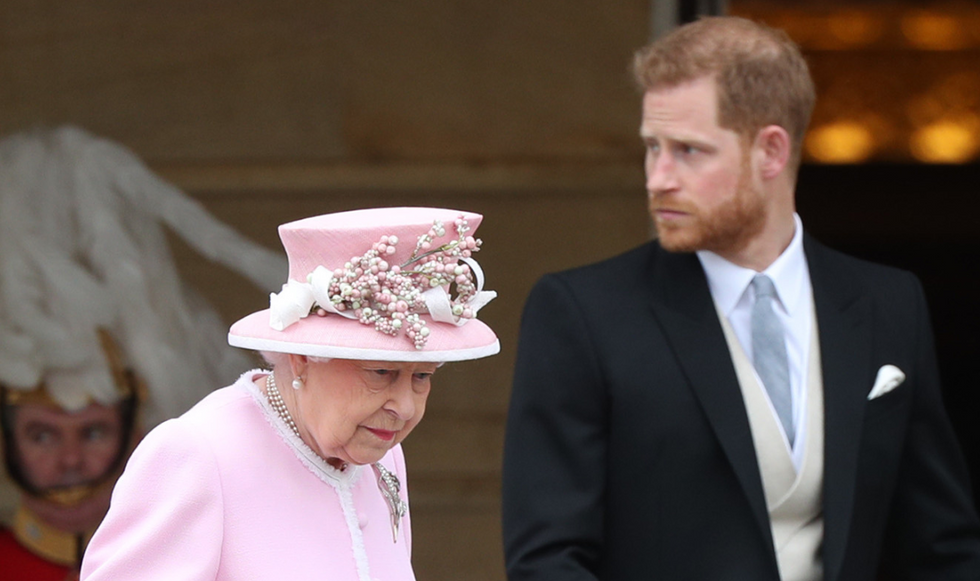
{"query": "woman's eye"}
{"type": "Point", "coordinates": [421, 382]}
{"type": "Point", "coordinates": [383, 375]}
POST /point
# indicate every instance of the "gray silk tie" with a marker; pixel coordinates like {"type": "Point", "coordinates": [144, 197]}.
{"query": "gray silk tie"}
{"type": "Point", "coordinates": [769, 351]}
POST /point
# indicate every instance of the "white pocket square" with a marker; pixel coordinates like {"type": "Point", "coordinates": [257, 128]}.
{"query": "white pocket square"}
{"type": "Point", "coordinates": [889, 377]}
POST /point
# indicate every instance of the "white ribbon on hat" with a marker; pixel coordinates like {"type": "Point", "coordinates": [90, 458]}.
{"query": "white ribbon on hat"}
{"type": "Point", "coordinates": [290, 304]}
{"type": "Point", "coordinates": [296, 299]}
{"type": "Point", "coordinates": [320, 281]}
{"type": "Point", "coordinates": [440, 307]}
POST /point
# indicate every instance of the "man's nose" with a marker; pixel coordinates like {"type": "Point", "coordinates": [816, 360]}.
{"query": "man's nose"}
{"type": "Point", "coordinates": [71, 456]}
{"type": "Point", "coordinates": [661, 173]}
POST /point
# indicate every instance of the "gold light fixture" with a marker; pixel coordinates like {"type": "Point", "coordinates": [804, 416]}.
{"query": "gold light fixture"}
{"type": "Point", "coordinates": [896, 82]}
{"type": "Point", "coordinates": [840, 142]}
{"type": "Point", "coordinates": [927, 30]}
{"type": "Point", "coordinates": [947, 141]}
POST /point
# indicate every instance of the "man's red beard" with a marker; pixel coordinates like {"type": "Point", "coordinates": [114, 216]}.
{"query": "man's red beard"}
{"type": "Point", "coordinates": [724, 229]}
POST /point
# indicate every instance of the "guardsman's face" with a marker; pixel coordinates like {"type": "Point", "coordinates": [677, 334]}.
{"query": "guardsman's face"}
{"type": "Point", "coordinates": [59, 449]}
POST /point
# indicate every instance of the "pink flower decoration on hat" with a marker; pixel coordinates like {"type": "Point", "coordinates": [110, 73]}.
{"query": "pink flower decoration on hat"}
{"type": "Point", "coordinates": [390, 297]}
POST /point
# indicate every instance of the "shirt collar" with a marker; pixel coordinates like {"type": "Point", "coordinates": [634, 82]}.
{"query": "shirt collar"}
{"type": "Point", "coordinates": [728, 281]}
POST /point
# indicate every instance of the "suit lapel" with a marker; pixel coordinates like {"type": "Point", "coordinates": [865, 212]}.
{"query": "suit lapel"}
{"type": "Point", "coordinates": [682, 304]}
{"type": "Point", "coordinates": [844, 324]}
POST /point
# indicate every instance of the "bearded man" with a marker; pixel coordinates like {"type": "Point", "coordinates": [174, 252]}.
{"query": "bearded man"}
{"type": "Point", "coordinates": [733, 400]}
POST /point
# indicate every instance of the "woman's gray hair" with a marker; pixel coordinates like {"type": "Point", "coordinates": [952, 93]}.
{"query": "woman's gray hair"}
{"type": "Point", "coordinates": [278, 359]}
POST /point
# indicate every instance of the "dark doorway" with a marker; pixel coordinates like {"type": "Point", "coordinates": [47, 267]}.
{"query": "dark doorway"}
{"type": "Point", "coordinates": [926, 219]}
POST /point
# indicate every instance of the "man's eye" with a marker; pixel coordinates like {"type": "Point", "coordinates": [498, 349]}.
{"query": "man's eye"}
{"type": "Point", "coordinates": [95, 433]}
{"type": "Point", "coordinates": [42, 436]}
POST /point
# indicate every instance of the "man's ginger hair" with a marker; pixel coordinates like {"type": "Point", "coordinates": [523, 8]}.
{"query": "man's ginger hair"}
{"type": "Point", "coordinates": [761, 76]}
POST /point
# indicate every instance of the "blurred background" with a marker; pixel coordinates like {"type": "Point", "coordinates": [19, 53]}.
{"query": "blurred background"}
{"type": "Point", "coordinates": [523, 111]}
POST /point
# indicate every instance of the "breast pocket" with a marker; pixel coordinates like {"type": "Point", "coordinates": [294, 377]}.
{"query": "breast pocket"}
{"type": "Point", "coordinates": [890, 403]}
{"type": "Point", "coordinates": [885, 425]}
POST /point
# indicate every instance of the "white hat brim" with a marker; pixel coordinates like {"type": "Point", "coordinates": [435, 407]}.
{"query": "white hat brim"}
{"type": "Point", "coordinates": [337, 337]}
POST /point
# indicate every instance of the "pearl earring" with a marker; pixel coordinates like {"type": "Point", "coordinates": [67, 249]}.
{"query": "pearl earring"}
{"type": "Point", "coordinates": [297, 383]}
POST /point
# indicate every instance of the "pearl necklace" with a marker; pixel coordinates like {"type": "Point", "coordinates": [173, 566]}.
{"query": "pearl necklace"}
{"type": "Point", "coordinates": [387, 480]}
{"type": "Point", "coordinates": [275, 400]}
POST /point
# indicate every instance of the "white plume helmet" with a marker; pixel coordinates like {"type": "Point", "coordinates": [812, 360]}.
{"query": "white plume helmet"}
{"type": "Point", "coordinates": [82, 246]}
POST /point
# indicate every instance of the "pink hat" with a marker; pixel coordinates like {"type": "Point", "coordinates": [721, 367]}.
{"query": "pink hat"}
{"type": "Point", "coordinates": [375, 285]}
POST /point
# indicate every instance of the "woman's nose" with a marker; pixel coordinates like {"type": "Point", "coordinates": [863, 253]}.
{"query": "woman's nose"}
{"type": "Point", "coordinates": [402, 400]}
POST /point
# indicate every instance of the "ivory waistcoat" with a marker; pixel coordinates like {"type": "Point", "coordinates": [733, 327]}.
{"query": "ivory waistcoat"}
{"type": "Point", "coordinates": [794, 500]}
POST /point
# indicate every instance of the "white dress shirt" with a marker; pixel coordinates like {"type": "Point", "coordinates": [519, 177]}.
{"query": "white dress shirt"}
{"type": "Point", "coordinates": [731, 290]}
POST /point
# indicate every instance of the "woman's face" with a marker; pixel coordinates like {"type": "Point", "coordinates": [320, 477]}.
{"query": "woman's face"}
{"type": "Point", "coordinates": [356, 411]}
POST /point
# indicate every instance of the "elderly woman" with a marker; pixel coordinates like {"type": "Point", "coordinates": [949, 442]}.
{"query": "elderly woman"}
{"type": "Point", "coordinates": [297, 472]}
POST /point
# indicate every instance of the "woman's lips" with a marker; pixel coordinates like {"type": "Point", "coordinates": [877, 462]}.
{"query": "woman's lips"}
{"type": "Point", "coordinates": [386, 435]}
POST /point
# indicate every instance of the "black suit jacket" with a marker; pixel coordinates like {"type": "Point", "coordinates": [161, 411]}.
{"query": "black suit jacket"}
{"type": "Point", "coordinates": [628, 451]}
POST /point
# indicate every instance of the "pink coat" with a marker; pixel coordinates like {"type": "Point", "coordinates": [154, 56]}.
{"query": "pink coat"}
{"type": "Point", "coordinates": [226, 492]}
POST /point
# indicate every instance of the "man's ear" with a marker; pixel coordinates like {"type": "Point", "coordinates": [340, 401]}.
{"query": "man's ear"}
{"type": "Point", "coordinates": [772, 149]}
